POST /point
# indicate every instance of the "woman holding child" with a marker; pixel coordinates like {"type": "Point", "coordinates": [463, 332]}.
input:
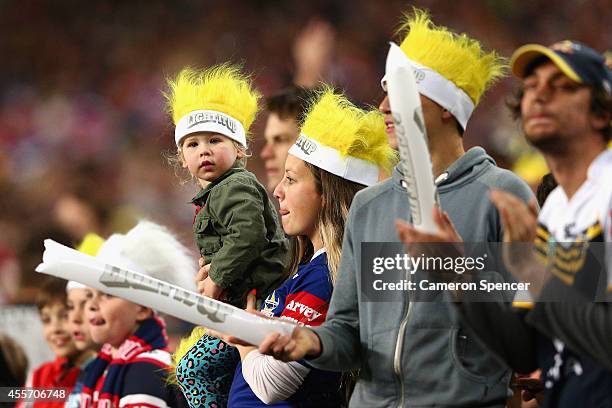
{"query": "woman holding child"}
{"type": "Point", "coordinates": [339, 152]}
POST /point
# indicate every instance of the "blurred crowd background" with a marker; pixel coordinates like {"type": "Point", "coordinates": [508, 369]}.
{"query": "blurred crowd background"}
{"type": "Point", "coordinates": [83, 128]}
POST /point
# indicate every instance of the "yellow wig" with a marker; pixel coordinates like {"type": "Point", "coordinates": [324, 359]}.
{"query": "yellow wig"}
{"type": "Point", "coordinates": [458, 58]}
{"type": "Point", "coordinates": [335, 122]}
{"type": "Point", "coordinates": [221, 88]}
{"type": "Point", "coordinates": [91, 244]}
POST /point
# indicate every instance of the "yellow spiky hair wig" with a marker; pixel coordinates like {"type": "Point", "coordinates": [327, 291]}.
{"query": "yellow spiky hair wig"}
{"type": "Point", "coordinates": [197, 95]}
{"type": "Point", "coordinates": [456, 57]}
{"type": "Point", "coordinates": [338, 137]}
{"type": "Point", "coordinates": [90, 245]}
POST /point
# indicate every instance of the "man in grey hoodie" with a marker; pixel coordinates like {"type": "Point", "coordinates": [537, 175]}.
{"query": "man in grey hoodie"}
{"type": "Point", "coordinates": [415, 353]}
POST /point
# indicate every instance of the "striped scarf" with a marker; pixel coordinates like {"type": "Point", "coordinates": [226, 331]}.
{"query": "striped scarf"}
{"type": "Point", "coordinates": [151, 335]}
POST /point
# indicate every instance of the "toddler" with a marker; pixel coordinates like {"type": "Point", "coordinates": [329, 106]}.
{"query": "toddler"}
{"type": "Point", "coordinates": [236, 226]}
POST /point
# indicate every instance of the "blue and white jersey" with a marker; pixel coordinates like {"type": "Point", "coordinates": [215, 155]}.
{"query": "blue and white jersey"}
{"type": "Point", "coordinates": [303, 299]}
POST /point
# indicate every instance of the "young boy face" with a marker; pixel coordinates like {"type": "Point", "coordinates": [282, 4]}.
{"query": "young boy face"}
{"type": "Point", "coordinates": [55, 329]}
{"type": "Point", "coordinates": [208, 155]}
{"type": "Point", "coordinates": [113, 319]}
{"type": "Point", "coordinates": [78, 326]}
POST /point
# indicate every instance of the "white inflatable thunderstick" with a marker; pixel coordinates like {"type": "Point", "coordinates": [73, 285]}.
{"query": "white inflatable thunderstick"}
{"type": "Point", "coordinates": [411, 135]}
{"type": "Point", "coordinates": [66, 263]}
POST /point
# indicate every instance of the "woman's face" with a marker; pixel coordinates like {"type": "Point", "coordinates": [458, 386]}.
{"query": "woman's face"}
{"type": "Point", "coordinates": [300, 202]}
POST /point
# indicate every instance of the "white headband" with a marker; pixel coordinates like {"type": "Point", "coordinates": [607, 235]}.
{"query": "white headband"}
{"type": "Point", "coordinates": [210, 121]}
{"type": "Point", "coordinates": [327, 158]}
{"type": "Point", "coordinates": [440, 90]}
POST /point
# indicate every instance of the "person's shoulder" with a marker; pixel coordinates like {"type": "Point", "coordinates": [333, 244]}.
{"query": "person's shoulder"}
{"type": "Point", "coordinates": [42, 374]}
{"type": "Point", "coordinates": [160, 358]}
{"type": "Point", "coordinates": [602, 170]}
{"type": "Point", "coordinates": [364, 197]}
{"type": "Point", "coordinates": [503, 179]}
{"type": "Point", "coordinates": [146, 372]}
{"type": "Point", "coordinates": [601, 189]}
{"type": "Point", "coordinates": [238, 186]}
{"type": "Point", "coordinates": [240, 179]}
{"type": "Point", "coordinates": [52, 368]}
{"type": "Point", "coordinates": [146, 400]}
{"type": "Point", "coordinates": [316, 268]}
{"type": "Point", "coordinates": [44, 367]}
{"type": "Point", "coordinates": [313, 276]}
{"type": "Point", "coordinates": [554, 202]}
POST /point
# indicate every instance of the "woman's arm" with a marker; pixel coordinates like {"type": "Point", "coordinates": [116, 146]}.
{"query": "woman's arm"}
{"type": "Point", "coordinates": [272, 380]}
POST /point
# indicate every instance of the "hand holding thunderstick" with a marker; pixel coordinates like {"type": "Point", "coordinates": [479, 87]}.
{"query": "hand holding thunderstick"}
{"type": "Point", "coordinates": [302, 343]}
{"type": "Point", "coordinates": [205, 285]}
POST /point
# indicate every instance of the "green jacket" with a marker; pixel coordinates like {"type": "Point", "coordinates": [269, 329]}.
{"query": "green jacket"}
{"type": "Point", "coordinates": [238, 230]}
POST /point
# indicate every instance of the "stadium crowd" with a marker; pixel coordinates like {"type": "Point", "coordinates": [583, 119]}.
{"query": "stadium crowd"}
{"type": "Point", "coordinates": [93, 122]}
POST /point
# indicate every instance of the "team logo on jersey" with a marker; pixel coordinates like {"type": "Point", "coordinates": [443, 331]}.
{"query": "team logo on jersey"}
{"type": "Point", "coordinates": [568, 230]}
{"type": "Point", "coordinates": [566, 259]}
{"type": "Point", "coordinates": [270, 304]}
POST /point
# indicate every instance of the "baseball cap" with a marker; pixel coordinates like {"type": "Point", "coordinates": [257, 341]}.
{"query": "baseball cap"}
{"type": "Point", "coordinates": [579, 62]}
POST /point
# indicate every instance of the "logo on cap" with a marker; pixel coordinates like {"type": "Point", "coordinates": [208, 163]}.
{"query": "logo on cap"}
{"type": "Point", "coordinates": [566, 47]}
{"type": "Point", "coordinates": [307, 145]}
{"type": "Point", "coordinates": [206, 117]}
{"type": "Point", "coordinates": [419, 75]}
